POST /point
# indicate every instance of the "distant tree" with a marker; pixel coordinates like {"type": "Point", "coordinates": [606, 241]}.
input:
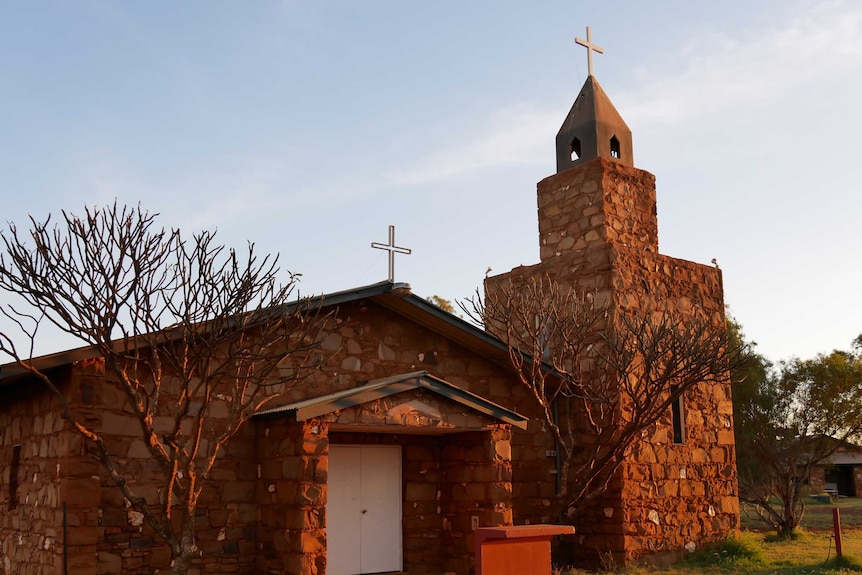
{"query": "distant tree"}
{"type": "Point", "coordinates": [747, 380]}
{"type": "Point", "coordinates": [600, 376]}
{"type": "Point", "coordinates": [442, 303]}
{"type": "Point", "coordinates": [789, 420]}
{"type": "Point", "coordinates": [194, 336]}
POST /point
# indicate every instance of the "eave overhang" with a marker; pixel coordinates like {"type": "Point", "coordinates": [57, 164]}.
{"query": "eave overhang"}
{"type": "Point", "coordinates": [388, 386]}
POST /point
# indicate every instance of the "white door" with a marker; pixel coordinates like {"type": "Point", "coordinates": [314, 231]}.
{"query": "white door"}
{"type": "Point", "coordinates": [363, 510]}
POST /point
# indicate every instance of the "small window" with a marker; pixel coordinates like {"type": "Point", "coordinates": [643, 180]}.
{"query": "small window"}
{"type": "Point", "coordinates": [13, 477]}
{"type": "Point", "coordinates": [87, 393]}
{"type": "Point", "coordinates": [615, 147]}
{"type": "Point", "coordinates": [678, 414]}
{"type": "Point", "coordinates": [575, 148]}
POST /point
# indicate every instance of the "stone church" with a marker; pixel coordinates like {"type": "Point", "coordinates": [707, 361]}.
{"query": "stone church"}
{"type": "Point", "coordinates": [413, 434]}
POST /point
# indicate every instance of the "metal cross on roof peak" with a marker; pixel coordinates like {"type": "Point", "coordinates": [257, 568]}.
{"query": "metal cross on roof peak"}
{"type": "Point", "coordinates": [588, 44]}
{"type": "Point", "coordinates": [392, 249]}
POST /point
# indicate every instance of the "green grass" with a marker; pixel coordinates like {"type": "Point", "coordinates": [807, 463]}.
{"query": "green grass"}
{"type": "Point", "coordinates": [757, 552]}
{"type": "Point", "coordinates": [818, 516]}
{"type": "Point", "coordinates": [742, 552]}
{"type": "Point", "coordinates": [810, 552]}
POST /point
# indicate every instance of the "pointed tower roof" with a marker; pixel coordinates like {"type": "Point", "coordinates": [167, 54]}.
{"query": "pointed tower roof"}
{"type": "Point", "coordinates": [593, 127]}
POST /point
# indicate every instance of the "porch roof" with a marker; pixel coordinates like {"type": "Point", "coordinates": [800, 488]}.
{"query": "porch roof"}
{"type": "Point", "coordinates": [384, 387]}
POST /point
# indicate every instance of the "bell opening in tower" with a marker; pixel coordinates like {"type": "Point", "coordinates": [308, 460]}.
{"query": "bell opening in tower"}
{"type": "Point", "coordinates": [615, 147]}
{"type": "Point", "coordinates": [575, 148]}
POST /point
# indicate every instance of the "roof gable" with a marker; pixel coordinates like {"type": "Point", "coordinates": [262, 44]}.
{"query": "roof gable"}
{"type": "Point", "coordinates": [387, 386]}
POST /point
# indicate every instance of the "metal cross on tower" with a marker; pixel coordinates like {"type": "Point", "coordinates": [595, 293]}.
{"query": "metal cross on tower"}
{"type": "Point", "coordinates": [392, 249]}
{"type": "Point", "coordinates": [588, 44]}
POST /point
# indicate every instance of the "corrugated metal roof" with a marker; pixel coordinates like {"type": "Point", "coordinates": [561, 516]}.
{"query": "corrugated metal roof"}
{"type": "Point", "coordinates": [387, 386]}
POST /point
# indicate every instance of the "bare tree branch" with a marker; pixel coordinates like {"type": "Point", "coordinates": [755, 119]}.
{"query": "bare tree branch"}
{"type": "Point", "coordinates": [600, 376]}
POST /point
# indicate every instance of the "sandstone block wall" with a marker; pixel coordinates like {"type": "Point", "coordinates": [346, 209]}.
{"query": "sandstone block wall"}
{"type": "Point", "coordinates": [291, 495]}
{"type": "Point", "coordinates": [817, 479]}
{"type": "Point", "coordinates": [597, 205]}
{"type": "Point", "coordinates": [55, 469]}
{"type": "Point", "coordinates": [680, 496]}
{"type": "Point", "coordinates": [31, 530]}
{"type": "Point", "coordinates": [477, 482]}
{"type": "Point", "coordinates": [226, 514]}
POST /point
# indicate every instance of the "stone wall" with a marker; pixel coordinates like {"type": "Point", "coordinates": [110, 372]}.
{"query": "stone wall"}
{"type": "Point", "coordinates": [476, 492]}
{"type": "Point", "coordinates": [226, 512]}
{"type": "Point", "coordinates": [291, 494]}
{"type": "Point", "coordinates": [817, 480]}
{"type": "Point", "coordinates": [596, 206]}
{"type": "Point", "coordinates": [679, 496]}
{"type": "Point", "coordinates": [682, 496]}
{"type": "Point", "coordinates": [31, 527]}
{"type": "Point", "coordinates": [104, 534]}
{"type": "Point", "coordinates": [55, 470]}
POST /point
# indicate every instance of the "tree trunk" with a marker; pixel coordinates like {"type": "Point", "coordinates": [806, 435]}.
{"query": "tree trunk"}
{"type": "Point", "coordinates": [181, 564]}
{"type": "Point", "coordinates": [790, 517]}
{"type": "Point", "coordinates": [183, 560]}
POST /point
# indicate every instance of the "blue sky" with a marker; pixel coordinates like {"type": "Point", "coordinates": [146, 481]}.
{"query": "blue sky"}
{"type": "Point", "coordinates": [309, 127]}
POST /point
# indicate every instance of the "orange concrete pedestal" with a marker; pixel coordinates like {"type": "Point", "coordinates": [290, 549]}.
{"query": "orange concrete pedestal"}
{"type": "Point", "coordinates": [516, 550]}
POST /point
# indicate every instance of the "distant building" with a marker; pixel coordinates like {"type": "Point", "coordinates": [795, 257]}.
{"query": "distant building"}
{"type": "Point", "coordinates": [840, 474]}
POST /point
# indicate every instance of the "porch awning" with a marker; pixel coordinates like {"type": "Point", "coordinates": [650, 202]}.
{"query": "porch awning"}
{"type": "Point", "coordinates": [384, 387]}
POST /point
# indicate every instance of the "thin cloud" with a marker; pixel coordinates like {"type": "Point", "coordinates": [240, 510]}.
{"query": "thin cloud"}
{"type": "Point", "coordinates": [752, 65]}
{"type": "Point", "coordinates": [815, 41]}
{"type": "Point", "coordinates": [818, 40]}
{"type": "Point", "coordinates": [516, 135]}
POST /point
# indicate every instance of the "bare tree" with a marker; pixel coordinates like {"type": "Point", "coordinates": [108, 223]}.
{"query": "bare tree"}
{"type": "Point", "coordinates": [600, 376]}
{"type": "Point", "coordinates": [195, 336]}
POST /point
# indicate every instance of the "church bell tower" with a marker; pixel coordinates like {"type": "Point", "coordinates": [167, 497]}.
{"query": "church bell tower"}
{"type": "Point", "coordinates": [598, 234]}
